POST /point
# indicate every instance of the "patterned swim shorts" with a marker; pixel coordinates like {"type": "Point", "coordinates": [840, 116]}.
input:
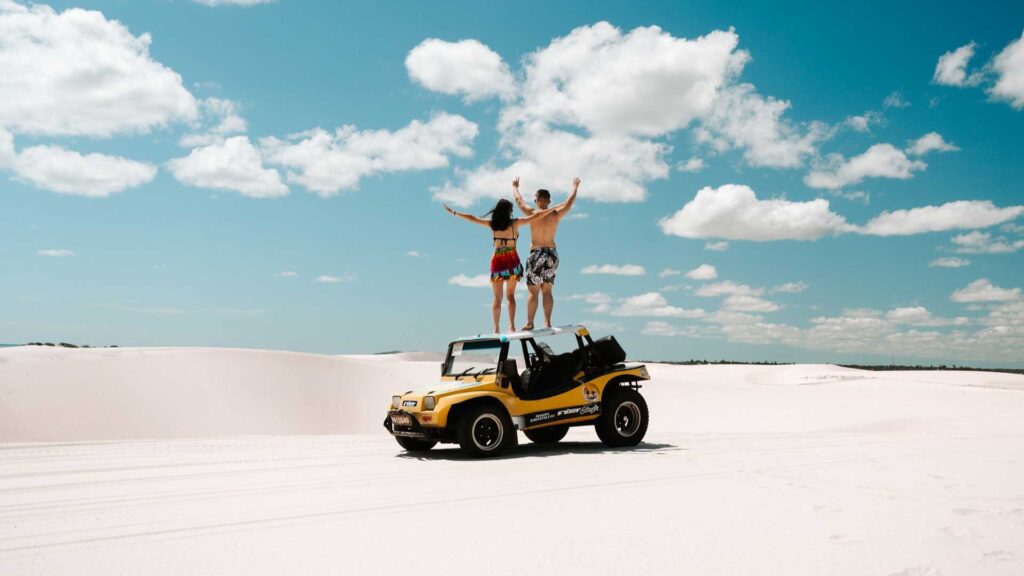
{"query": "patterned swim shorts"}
{"type": "Point", "coordinates": [541, 266]}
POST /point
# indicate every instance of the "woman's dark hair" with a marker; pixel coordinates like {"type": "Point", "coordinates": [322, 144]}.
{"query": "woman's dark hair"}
{"type": "Point", "coordinates": [501, 216]}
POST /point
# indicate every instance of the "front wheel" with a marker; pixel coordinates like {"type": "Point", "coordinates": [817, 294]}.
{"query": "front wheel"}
{"type": "Point", "coordinates": [485, 431]}
{"type": "Point", "coordinates": [548, 435]}
{"type": "Point", "coordinates": [623, 420]}
{"type": "Point", "coordinates": [414, 444]}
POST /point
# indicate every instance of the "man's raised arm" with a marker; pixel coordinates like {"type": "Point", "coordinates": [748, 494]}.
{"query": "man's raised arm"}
{"type": "Point", "coordinates": [565, 206]}
{"type": "Point", "coordinates": [519, 198]}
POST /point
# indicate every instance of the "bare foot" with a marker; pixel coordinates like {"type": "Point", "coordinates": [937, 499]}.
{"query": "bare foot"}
{"type": "Point", "coordinates": [512, 329]}
{"type": "Point", "coordinates": [528, 327]}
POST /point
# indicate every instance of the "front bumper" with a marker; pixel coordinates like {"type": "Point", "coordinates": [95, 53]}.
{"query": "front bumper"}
{"type": "Point", "coordinates": [412, 430]}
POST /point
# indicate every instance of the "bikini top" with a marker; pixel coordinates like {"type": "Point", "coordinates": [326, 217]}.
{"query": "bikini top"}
{"type": "Point", "coordinates": [505, 241]}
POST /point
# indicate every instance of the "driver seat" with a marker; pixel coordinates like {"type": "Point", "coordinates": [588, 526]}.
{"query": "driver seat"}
{"type": "Point", "coordinates": [510, 370]}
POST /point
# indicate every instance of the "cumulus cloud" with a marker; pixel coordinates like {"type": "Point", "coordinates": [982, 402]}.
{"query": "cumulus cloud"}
{"type": "Point", "coordinates": [930, 142]}
{"type": "Point", "coordinates": [662, 328]}
{"type": "Point", "coordinates": [221, 118]}
{"type": "Point", "coordinates": [743, 119]}
{"type": "Point", "coordinates": [76, 73]}
{"type": "Point", "coordinates": [479, 281]}
{"type": "Point", "coordinates": [595, 101]}
{"type": "Point", "coordinates": [329, 279]}
{"type": "Point", "coordinates": [667, 272]}
{"type": "Point", "coordinates": [895, 100]}
{"type": "Point", "coordinates": [984, 243]}
{"type": "Point", "coordinates": [961, 214]}
{"type": "Point", "coordinates": [1008, 66]}
{"type": "Point", "coordinates": [921, 316]}
{"type": "Point", "coordinates": [879, 161]}
{"type": "Point", "coordinates": [287, 274]}
{"type": "Point", "coordinates": [599, 301]}
{"type": "Point", "coordinates": [950, 262]}
{"type": "Point", "coordinates": [791, 287]}
{"type": "Point", "coordinates": [734, 212]}
{"type": "Point", "coordinates": [467, 68]}
{"type": "Point", "coordinates": [235, 164]}
{"type": "Point", "coordinates": [55, 253]}
{"type": "Point", "coordinates": [982, 290]}
{"type": "Point", "coordinates": [951, 69]}
{"type": "Point", "coordinates": [863, 122]}
{"type": "Point", "coordinates": [329, 162]}
{"type": "Point", "coordinates": [703, 272]}
{"type": "Point", "coordinates": [654, 304]}
{"type": "Point", "coordinates": [720, 246]}
{"type": "Point", "coordinates": [693, 164]}
{"type": "Point", "coordinates": [65, 171]}
{"type": "Point", "coordinates": [615, 270]}
{"type": "Point", "coordinates": [727, 288]}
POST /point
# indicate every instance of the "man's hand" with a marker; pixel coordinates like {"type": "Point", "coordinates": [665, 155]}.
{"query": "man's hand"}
{"type": "Point", "coordinates": [575, 183]}
{"type": "Point", "coordinates": [515, 183]}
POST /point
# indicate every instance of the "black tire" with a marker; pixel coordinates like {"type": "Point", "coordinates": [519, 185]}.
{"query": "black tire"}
{"type": "Point", "coordinates": [548, 435]}
{"type": "Point", "coordinates": [485, 431]}
{"type": "Point", "coordinates": [415, 444]}
{"type": "Point", "coordinates": [623, 420]}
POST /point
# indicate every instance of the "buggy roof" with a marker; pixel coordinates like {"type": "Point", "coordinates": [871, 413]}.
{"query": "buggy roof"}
{"type": "Point", "coordinates": [567, 329]}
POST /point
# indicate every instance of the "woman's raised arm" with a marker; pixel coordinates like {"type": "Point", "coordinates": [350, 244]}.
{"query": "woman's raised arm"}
{"type": "Point", "coordinates": [468, 217]}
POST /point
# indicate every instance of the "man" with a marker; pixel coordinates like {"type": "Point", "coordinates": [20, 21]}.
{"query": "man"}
{"type": "Point", "coordinates": [542, 265]}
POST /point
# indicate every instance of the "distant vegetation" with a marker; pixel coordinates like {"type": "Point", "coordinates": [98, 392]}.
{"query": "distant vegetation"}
{"type": "Point", "coordinates": [874, 367]}
{"type": "Point", "coordinates": [67, 345]}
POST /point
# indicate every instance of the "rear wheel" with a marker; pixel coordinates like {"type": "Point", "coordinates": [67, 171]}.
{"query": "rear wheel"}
{"type": "Point", "coordinates": [414, 444]}
{"type": "Point", "coordinates": [548, 435]}
{"type": "Point", "coordinates": [485, 431]}
{"type": "Point", "coordinates": [623, 420]}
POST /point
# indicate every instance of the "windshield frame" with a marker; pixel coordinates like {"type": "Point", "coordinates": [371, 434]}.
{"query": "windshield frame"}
{"type": "Point", "coordinates": [495, 368]}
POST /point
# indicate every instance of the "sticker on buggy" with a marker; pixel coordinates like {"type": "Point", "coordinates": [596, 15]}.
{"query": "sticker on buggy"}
{"type": "Point", "coordinates": [563, 414]}
{"type": "Point", "coordinates": [456, 348]}
{"type": "Point", "coordinates": [590, 393]}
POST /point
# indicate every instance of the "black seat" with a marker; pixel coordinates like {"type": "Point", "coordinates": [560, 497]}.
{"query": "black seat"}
{"type": "Point", "coordinates": [510, 369]}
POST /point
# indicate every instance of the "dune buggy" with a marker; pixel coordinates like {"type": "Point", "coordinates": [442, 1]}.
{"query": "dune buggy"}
{"type": "Point", "coordinates": [483, 398]}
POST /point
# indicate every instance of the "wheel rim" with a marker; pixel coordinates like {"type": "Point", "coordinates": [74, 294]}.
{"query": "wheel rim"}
{"type": "Point", "coordinates": [627, 419]}
{"type": "Point", "coordinates": [487, 432]}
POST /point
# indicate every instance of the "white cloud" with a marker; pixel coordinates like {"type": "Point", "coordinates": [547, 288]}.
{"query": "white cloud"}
{"type": "Point", "coordinates": [222, 119]}
{"type": "Point", "coordinates": [983, 243]}
{"type": "Point", "coordinates": [1008, 66]}
{"type": "Point", "coordinates": [930, 142]}
{"type": "Point", "coordinates": [863, 122]}
{"type": "Point", "coordinates": [623, 270]}
{"type": "Point", "coordinates": [662, 328]}
{"type": "Point", "coordinates": [791, 287]}
{"type": "Point", "coordinates": [594, 101]}
{"type": "Point", "coordinates": [287, 274]}
{"type": "Point", "coordinates": [417, 254]}
{"type": "Point", "coordinates": [879, 161]}
{"type": "Point", "coordinates": [667, 272]}
{"type": "Point", "coordinates": [961, 214]}
{"type": "Point", "coordinates": [895, 100]}
{"type": "Point", "coordinates": [742, 118]}
{"type": "Point", "coordinates": [654, 304]}
{"type": "Point", "coordinates": [480, 281]}
{"type": "Point", "coordinates": [693, 164]}
{"type": "Point", "coordinates": [727, 288]}
{"type": "Point", "coordinates": [746, 303]}
{"type": "Point", "coordinates": [329, 279]}
{"type": "Point", "coordinates": [951, 69]}
{"type": "Point", "coordinates": [600, 301]}
{"type": "Point", "coordinates": [734, 212]}
{"type": "Point", "coordinates": [920, 316]}
{"type": "Point", "coordinates": [327, 163]}
{"type": "Point", "coordinates": [982, 290]}
{"type": "Point", "coordinates": [703, 272]}
{"type": "Point", "coordinates": [720, 246]}
{"type": "Point", "coordinates": [56, 253]}
{"type": "Point", "coordinates": [951, 262]}
{"type": "Point", "coordinates": [466, 68]}
{"type": "Point", "coordinates": [77, 73]}
{"type": "Point", "coordinates": [235, 164]}
{"type": "Point", "coordinates": [68, 172]}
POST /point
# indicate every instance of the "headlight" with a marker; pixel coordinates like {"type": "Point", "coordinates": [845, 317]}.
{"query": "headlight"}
{"type": "Point", "coordinates": [429, 402]}
{"type": "Point", "coordinates": [643, 372]}
{"type": "Point", "coordinates": [395, 400]}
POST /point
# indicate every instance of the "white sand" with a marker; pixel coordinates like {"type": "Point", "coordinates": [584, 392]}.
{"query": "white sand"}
{"type": "Point", "coordinates": [787, 470]}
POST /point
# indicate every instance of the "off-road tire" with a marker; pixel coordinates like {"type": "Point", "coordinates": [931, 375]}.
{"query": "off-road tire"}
{"type": "Point", "coordinates": [548, 435]}
{"type": "Point", "coordinates": [415, 444]}
{"type": "Point", "coordinates": [623, 420]}
{"type": "Point", "coordinates": [485, 431]}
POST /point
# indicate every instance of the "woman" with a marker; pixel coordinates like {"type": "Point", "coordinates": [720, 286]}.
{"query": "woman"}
{"type": "Point", "coordinates": [506, 268]}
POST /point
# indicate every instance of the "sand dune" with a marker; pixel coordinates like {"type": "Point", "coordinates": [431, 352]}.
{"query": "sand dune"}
{"type": "Point", "coordinates": [795, 470]}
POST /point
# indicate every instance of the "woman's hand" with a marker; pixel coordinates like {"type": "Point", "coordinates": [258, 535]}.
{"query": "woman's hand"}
{"type": "Point", "coordinates": [450, 211]}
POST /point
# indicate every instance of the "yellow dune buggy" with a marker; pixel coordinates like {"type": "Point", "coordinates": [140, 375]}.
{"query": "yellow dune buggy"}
{"type": "Point", "coordinates": [482, 399]}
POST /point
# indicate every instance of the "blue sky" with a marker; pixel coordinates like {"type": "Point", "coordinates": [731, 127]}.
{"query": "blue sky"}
{"type": "Point", "coordinates": [194, 190]}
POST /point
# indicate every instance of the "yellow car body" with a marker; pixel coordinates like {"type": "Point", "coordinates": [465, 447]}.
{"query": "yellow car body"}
{"type": "Point", "coordinates": [430, 414]}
